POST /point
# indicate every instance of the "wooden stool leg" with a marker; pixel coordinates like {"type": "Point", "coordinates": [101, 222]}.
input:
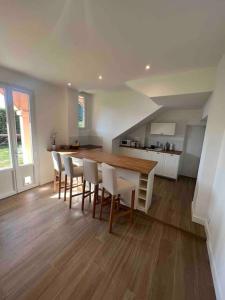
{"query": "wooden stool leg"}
{"type": "Point", "coordinates": [118, 202]}
{"type": "Point", "coordinates": [60, 184]}
{"type": "Point", "coordinates": [132, 206]}
{"type": "Point", "coordinates": [65, 187]}
{"type": "Point", "coordinates": [83, 195]}
{"type": "Point", "coordinates": [95, 200]}
{"type": "Point", "coordinates": [101, 205]}
{"type": "Point", "coordinates": [90, 191]}
{"type": "Point", "coordinates": [55, 181]}
{"type": "Point", "coordinates": [111, 214]}
{"type": "Point", "coordinates": [71, 185]}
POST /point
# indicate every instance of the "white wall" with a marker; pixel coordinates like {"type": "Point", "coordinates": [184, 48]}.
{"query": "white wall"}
{"type": "Point", "coordinates": [50, 115]}
{"type": "Point", "coordinates": [138, 134]}
{"type": "Point", "coordinates": [116, 111]}
{"type": "Point", "coordinates": [209, 200]}
{"type": "Point", "coordinates": [205, 111]}
{"type": "Point", "coordinates": [216, 227]}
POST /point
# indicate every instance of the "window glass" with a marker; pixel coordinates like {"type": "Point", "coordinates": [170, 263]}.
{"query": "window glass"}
{"type": "Point", "coordinates": [21, 105]}
{"type": "Point", "coordinates": [5, 153]}
{"type": "Point", "coordinates": [81, 112]}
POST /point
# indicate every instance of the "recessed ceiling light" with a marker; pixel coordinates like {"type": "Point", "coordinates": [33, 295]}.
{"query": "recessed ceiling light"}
{"type": "Point", "coordinates": [69, 83]}
{"type": "Point", "coordinates": [147, 67]}
{"type": "Point", "coordinates": [100, 77]}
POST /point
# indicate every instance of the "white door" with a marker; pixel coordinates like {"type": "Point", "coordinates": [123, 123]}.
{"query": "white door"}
{"type": "Point", "coordinates": [192, 150]}
{"type": "Point", "coordinates": [17, 156]}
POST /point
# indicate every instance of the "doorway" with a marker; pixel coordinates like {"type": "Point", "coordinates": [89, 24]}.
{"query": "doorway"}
{"type": "Point", "coordinates": [17, 147]}
{"type": "Point", "coordinates": [192, 150]}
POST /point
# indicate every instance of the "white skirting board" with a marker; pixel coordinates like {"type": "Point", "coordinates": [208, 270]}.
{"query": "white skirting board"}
{"type": "Point", "coordinates": [216, 282]}
{"type": "Point", "coordinates": [195, 218]}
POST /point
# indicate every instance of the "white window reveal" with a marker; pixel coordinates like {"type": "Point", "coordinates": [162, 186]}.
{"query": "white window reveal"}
{"type": "Point", "coordinates": [81, 112]}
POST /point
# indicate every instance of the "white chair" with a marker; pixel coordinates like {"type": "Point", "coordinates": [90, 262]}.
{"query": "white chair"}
{"type": "Point", "coordinates": [91, 175]}
{"type": "Point", "coordinates": [115, 186]}
{"type": "Point", "coordinates": [59, 169]}
{"type": "Point", "coordinates": [72, 172]}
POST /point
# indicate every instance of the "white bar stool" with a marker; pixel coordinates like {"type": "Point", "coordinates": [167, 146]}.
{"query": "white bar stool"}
{"type": "Point", "coordinates": [115, 186]}
{"type": "Point", "coordinates": [59, 170]}
{"type": "Point", "coordinates": [72, 172]}
{"type": "Point", "coordinates": [91, 175]}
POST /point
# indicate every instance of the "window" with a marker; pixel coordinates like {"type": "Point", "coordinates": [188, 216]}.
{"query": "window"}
{"type": "Point", "coordinates": [81, 112]}
{"type": "Point", "coordinates": [5, 152]}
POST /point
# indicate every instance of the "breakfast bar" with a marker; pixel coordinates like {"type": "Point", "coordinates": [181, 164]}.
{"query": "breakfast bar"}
{"type": "Point", "coordinates": [138, 171]}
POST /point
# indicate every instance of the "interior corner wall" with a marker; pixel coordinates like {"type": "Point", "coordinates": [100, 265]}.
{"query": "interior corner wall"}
{"type": "Point", "coordinates": [211, 146]}
{"type": "Point", "coordinates": [49, 115]}
{"type": "Point", "coordinates": [71, 115]}
{"type": "Point", "coordinates": [116, 111]}
{"type": "Point", "coordinates": [209, 200]}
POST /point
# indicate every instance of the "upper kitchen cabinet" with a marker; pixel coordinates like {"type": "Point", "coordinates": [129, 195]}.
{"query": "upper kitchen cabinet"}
{"type": "Point", "coordinates": [163, 128]}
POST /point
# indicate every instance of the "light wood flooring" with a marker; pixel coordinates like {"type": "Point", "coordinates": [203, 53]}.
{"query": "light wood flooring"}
{"type": "Point", "coordinates": [50, 252]}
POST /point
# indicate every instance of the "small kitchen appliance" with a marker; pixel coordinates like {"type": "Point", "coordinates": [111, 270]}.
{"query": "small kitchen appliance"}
{"type": "Point", "coordinates": [126, 143]}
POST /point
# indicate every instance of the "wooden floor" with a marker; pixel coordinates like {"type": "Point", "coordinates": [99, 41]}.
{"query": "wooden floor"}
{"type": "Point", "coordinates": [171, 204]}
{"type": "Point", "coordinates": [50, 252]}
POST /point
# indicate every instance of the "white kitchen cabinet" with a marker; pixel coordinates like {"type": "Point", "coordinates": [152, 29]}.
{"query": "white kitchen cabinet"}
{"type": "Point", "coordinates": [132, 152]}
{"type": "Point", "coordinates": [171, 165]}
{"type": "Point", "coordinates": [163, 128]}
{"type": "Point", "coordinates": [159, 157]}
{"type": "Point", "coordinates": [168, 164]}
{"type": "Point", "coordinates": [147, 154]}
{"type": "Point", "coordinates": [137, 153]}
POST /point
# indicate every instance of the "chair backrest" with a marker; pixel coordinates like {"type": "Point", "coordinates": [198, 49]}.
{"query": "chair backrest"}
{"type": "Point", "coordinates": [57, 162]}
{"type": "Point", "coordinates": [109, 179]}
{"type": "Point", "coordinates": [90, 169]}
{"type": "Point", "coordinates": [68, 165]}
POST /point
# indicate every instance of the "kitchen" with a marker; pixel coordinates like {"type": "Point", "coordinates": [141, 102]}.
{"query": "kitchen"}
{"type": "Point", "coordinates": [166, 139]}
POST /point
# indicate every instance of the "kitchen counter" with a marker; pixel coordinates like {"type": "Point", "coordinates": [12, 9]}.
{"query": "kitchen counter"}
{"type": "Point", "coordinates": [119, 161]}
{"type": "Point", "coordinates": [66, 148]}
{"type": "Point", "coordinates": [176, 152]}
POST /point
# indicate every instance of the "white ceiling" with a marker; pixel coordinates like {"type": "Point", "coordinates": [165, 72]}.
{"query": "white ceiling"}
{"type": "Point", "coordinates": [75, 40]}
{"type": "Point", "coordinates": [183, 101]}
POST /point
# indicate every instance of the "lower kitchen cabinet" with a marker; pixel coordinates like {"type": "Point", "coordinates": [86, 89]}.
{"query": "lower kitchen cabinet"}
{"type": "Point", "coordinates": [171, 165]}
{"type": "Point", "coordinates": [160, 167]}
{"type": "Point", "coordinates": [168, 164]}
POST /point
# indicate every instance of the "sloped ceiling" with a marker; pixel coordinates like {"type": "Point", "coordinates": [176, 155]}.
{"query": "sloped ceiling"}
{"type": "Point", "coordinates": [189, 101]}
{"type": "Point", "coordinates": [75, 41]}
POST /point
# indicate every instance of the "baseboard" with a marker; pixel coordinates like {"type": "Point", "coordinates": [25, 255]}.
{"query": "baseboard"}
{"type": "Point", "coordinates": [6, 195]}
{"type": "Point", "coordinates": [216, 282]}
{"type": "Point", "coordinates": [195, 218]}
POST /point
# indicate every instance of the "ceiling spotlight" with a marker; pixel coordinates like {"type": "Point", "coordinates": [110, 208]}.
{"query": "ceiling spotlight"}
{"type": "Point", "coordinates": [69, 83]}
{"type": "Point", "coordinates": [147, 67]}
{"type": "Point", "coordinates": [100, 77]}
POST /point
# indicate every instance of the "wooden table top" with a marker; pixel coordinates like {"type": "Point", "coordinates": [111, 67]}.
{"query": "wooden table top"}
{"type": "Point", "coordinates": [130, 163]}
